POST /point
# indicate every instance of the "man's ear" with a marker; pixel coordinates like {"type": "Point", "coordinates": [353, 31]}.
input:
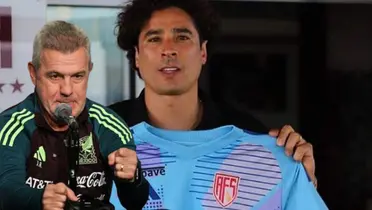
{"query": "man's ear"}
{"type": "Point", "coordinates": [136, 57]}
{"type": "Point", "coordinates": [90, 66]}
{"type": "Point", "coordinates": [32, 72]}
{"type": "Point", "coordinates": [204, 53]}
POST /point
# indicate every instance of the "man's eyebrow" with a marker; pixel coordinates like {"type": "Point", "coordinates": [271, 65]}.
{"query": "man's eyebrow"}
{"type": "Point", "coordinates": [182, 31]}
{"type": "Point", "coordinates": [60, 74]}
{"type": "Point", "coordinates": [152, 32]}
{"type": "Point", "coordinates": [53, 72]}
{"type": "Point", "coordinates": [80, 72]}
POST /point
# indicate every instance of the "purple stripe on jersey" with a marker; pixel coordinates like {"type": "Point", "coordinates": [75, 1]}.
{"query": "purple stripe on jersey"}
{"type": "Point", "coordinates": [146, 147]}
{"type": "Point", "coordinates": [150, 156]}
{"type": "Point", "coordinates": [240, 160]}
{"type": "Point", "coordinates": [238, 163]}
{"type": "Point", "coordinates": [274, 203]}
{"type": "Point", "coordinates": [252, 168]}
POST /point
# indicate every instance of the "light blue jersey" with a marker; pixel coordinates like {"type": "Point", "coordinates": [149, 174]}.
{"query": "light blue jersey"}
{"type": "Point", "coordinates": [222, 168]}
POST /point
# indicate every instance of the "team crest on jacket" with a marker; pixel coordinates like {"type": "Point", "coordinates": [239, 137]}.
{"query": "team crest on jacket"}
{"type": "Point", "coordinates": [225, 188]}
{"type": "Point", "coordinates": [87, 154]}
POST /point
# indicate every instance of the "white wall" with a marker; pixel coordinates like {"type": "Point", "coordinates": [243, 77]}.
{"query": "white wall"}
{"type": "Point", "coordinates": [109, 80]}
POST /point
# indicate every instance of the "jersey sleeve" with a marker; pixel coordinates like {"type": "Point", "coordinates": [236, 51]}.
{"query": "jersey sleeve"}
{"type": "Point", "coordinates": [14, 149]}
{"type": "Point", "coordinates": [303, 194]}
{"type": "Point", "coordinates": [112, 131]}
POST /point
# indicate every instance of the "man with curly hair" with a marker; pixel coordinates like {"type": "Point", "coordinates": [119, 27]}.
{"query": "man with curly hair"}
{"type": "Point", "coordinates": [167, 44]}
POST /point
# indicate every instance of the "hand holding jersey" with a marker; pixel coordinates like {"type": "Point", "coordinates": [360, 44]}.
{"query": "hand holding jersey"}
{"type": "Point", "coordinates": [297, 147]}
{"type": "Point", "coordinates": [124, 162]}
{"type": "Point", "coordinates": [55, 196]}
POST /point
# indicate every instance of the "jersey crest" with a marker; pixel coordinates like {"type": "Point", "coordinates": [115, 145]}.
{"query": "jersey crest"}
{"type": "Point", "coordinates": [225, 188]}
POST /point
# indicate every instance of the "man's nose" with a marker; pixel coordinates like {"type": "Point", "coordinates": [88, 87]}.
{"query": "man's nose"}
{"type": "Point", "coordinates": [169, 53]}
{"type": "Point", "coordinates": [66, 87]}
{"type": "Point", "coordinates": [169, 49]}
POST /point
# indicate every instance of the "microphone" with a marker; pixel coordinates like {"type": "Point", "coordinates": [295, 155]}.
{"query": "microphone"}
{"type": "Point", "coordinates": [64, 112]}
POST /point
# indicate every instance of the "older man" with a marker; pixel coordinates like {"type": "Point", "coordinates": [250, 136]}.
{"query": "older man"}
{"type": "Point", "coordinates": [35, 153]}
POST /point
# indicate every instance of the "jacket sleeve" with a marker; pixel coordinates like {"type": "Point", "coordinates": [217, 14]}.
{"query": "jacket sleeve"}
{"type": "Point", "coordinates": [113, 134]}
{"type": "Point", "coordinates": [133, 196]}
{"type": "Point", "coordinates": [14, 149]}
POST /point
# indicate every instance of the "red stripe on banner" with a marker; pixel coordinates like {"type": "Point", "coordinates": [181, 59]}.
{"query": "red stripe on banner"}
{"type": "Point", "coordinates": [5, 37]}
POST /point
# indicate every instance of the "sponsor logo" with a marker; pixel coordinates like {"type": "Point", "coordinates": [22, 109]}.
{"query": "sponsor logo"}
{"type": "Point", "coordinates": [156, 194]}
{"type": "Point", "coordinates": [40, 156]}
{"type": "Point", "coordinates": [225, 188]}
{"type": "Point", "coordinates": [151, 172]}
{"type": "Point", "coordinates": [153, 195]}
{"type": "Point", "coordinates": [156, 197]}
{"type": "Point", "coordinates": [95, 179]}
{"type": "Point", "coordinates": [37, 183]}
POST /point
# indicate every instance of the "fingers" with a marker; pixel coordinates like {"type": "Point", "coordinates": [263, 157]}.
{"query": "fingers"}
{"type": "Point", "coordinates": [124, 174]}
{"type": "Point", "coordinates": [293, 140]}
{"type": "Point", "coordinates": [123, 152]}
{"type": "Point", "coordinates": [126, 166]}
{"type": "Point", "coordinates": [126, 160]}
{"type": "Point", "coordinates": [305, 154]}
{"type": "Point", "coordinates": [55, 200]}
{"type": "Point", "coordinates": [283, 134]}
{"type": "Point", "coordinates": [54, 206]}
{"type": "Point", "coordinates": [60, 188]}
{"type": "Point", "coordinates": [54, 196]}
{"type": "Point", "coordinates": [111, 158]}
{"type": "Point", "coordinates": [302, 150]}
{"type": "Point", "coordinates": [71, 195]}
{"type": "Point", "coordinates": [309, 165]}
{"type": "Point", "coordinates": [125, 163]}
{"type": "Point", "coordinates": [274, 132]}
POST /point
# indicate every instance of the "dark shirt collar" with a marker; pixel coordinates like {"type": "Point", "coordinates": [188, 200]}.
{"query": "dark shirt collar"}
{"type": "Point", "coordinates": [211, 117]}
{"type": "Point", "coordinates": [140, 105]}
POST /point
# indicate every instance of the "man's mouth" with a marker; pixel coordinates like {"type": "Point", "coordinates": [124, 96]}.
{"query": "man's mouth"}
{"type": "Point", "coordinates": [169, 70]}
{"type": "Point", "coordinates": [70, 103]}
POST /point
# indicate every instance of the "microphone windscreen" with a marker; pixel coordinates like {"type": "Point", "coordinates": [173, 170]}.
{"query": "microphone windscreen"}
{"type": "Point", "coordinates": [63, 111]}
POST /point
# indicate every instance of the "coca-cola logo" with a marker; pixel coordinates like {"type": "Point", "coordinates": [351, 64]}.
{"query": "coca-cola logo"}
{"type": "Point", "coordinates": [95, 179]}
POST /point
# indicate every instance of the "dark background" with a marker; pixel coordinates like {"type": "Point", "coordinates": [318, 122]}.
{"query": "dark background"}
{"type": "Point", "coordinates": [308, 65]}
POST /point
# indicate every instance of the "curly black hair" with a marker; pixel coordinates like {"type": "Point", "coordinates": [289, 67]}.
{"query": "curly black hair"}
{"type": "Point", "coordinates": [137, 13]}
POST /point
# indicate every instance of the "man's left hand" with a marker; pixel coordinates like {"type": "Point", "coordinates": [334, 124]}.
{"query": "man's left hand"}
{"type": "Point", "coordinates": [125, 163]}
{"type": "Point", "coordinates": [293, 141]}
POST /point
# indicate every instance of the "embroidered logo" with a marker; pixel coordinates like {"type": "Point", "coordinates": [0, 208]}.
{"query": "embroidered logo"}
{"type": "Point", "coordinates": [87, 154]}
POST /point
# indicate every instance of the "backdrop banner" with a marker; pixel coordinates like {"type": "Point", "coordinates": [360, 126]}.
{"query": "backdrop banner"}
{"type": "Point", "coordinates": [20, 20]}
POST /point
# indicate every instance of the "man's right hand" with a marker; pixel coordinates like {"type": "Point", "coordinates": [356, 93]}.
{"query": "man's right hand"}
{"type": "Point", "coordinates": [55, 196]}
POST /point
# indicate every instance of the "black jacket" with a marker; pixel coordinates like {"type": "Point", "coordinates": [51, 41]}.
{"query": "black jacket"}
{"type": "Point", "coordinates": [134, 111]}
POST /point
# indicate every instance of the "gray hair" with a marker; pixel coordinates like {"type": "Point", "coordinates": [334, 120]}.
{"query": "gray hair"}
{"type": "Point", "coordinates": [60, 36]}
